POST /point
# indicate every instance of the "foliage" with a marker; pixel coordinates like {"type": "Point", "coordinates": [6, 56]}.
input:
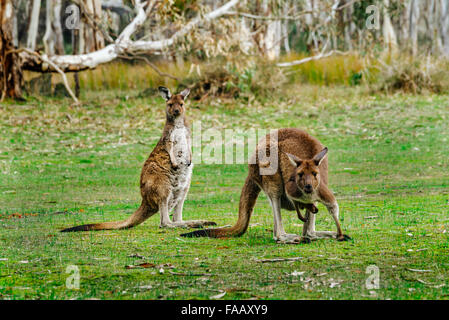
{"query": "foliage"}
{"type": "Point", "coordinates": [235, 79]}
{"type": "Point", "coordinates": [412, 74]}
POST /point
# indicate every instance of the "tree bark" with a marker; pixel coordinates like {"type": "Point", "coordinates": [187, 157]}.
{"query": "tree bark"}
{"type": "Point", "coordinates": [53, 41]}
{"type": "Point", "coordinates": [11, 78]}
{"type": "Point", "coordinates": [33, 25]}
{"type": "Point", "coordinates": [388, 31]}
{"type": "Point", "coordinates": [444, 26]}
{"type": "Point", "coordinates": [93, 38]}
{"type": "Point", "coordinates": [413, 25]}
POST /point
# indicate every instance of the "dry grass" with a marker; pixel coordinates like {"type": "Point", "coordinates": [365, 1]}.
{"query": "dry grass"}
{"type": "Point", "coordinates": [254, 77]}
{"type": "Point", "coordinates": [412, 75]}
{"type": "Point", "coordinates": [338, 69]}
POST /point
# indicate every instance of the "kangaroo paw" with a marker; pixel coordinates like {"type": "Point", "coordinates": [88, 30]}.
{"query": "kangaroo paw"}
{"type": "Point", "coordinates": [344, 237]}
{"type": "Point", "coordinates": [287, 238]}
{"type": "Point", "coordinates": [305, 240]}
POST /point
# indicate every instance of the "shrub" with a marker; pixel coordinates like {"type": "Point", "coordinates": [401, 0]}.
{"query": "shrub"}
{"type": "Point", "coordinates": [411, 75]}
{"type": "Point", "coordinates": [235, 79]}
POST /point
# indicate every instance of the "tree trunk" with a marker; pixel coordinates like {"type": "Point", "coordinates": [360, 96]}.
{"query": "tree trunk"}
{"type": "Point", "coordinates": [347, 21]}
{"type": "Point", "coordinates": [57, 29]}
{"type": "Point", "coordinates": [271, 39]}
{"type": "Point", "coordinates": [388, 31]}
{"type": "Point", "coordinates": [76, 77]}
{"type": "Point", "coordinates": [53, 41]}
{"type": "Point", "coordinates": [413, 26]}
{"type": "Point", "coordinates": [93, 38]}
{"type": "Point", "coordinates": [11, 78]}
{"type": "Point", "coordinates": [49, 41]}
{"type": "Point", "coordinates": [444, 26]}
{"type": "Point", "coordinates": [33, 25]}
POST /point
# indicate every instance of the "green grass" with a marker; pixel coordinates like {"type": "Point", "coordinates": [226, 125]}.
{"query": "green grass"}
{"type": "Point", "coordinates": [62, 165]}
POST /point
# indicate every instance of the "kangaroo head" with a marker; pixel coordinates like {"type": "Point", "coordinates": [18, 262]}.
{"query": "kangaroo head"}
{"type": "Point", "coordinates": [307, 172]}
{"type": "Point", "coordinates": [175, 103]}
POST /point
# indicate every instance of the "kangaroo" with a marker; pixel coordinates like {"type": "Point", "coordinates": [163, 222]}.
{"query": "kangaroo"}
{"type": "Point", "coordinates": [166, 174]}
{"type": "Point", "coordinates": [300, 181]}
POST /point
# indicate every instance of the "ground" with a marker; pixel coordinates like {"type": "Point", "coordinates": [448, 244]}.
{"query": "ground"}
{"type": "Point", "coordinates": [63, 165]}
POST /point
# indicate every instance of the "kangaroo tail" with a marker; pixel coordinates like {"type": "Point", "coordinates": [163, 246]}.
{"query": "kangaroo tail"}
{"type": "Point", "coordinates": [248, 198]}
{"type": "Point", "coordinates": [136, 218]}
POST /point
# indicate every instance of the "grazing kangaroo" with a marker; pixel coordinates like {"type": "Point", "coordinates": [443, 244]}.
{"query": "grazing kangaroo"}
{"type": "Point", "coordinates": [300, 180]}
{"type": "Point", "coordinates": [166, 175]}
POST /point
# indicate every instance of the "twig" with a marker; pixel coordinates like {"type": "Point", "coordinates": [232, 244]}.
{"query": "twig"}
{"type": "Point", "coordinates": [279, 259]}
{"type": "Point", "coordinates": [189, 274]}
{"type": "Point", "coordinates": [317, 57]}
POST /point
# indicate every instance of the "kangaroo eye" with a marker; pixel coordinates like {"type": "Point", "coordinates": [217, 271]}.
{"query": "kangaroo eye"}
{"type": "Point", "coordinates": [314, 174]}
{"type": "Point", "coordinates": [300, 174]}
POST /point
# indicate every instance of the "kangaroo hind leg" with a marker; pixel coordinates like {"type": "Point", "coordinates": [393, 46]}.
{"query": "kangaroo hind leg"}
{"type": "Point", "coordinates": [177, 215]}
{"type": "Point", "coordinates": [280, 236]}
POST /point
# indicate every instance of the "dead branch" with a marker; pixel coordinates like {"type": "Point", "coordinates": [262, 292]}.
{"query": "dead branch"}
{"type": "Point", "coordinates": [48, 61]}
{"type": "Point", "coordinates": [305, 60]}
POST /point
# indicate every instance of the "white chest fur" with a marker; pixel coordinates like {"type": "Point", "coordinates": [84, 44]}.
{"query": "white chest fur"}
{"type": "Point", "coordinates": [180, 145]}
{"type": "Point", "coordinates": [181, 177]}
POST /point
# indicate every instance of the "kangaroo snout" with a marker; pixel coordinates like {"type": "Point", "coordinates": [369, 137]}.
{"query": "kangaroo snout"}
{"type": "Point", "coordinates": [308, 188]}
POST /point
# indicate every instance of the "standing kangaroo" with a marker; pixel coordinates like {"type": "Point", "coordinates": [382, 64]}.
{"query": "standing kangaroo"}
{"type": "Point", "coordinates": [300, 180]}
{"type": "Point", "coordinates": [166, 175]}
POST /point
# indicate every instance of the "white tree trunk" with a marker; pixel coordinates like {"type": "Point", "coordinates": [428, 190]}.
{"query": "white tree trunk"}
{"type": "Point", "coordinates": [388, 31]}
{"type": "Point", "coordinates": [33, 26]}
{"type": "Point", "coordinates": [94, 39]}
{"type": "Point", "coordinates": [444, 26]}
{"type": "Point", "coordinates": [57, 29]}
{"type": "Point", "coordinates": [273, 40]}
{"type": "Point", "coordinates": [347, 20]}
{"type": "Point", "coordinates": [413, 26]}
{"type": "Point", "coordinates": [246, 44]}
{"type": "Point", "coordinates": [285, 29]}
{"type": "Point", "coordinates": [49, 40]}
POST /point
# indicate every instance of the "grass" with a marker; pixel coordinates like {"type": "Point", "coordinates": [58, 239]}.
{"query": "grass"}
{"type": "Point", "coordinates": [62, 165]}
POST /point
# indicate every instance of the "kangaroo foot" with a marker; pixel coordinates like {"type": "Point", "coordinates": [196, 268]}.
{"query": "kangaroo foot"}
{"type": "Point", "coordinates": [287, 238]}
{"type": "Point", "coordinates": [343, 237]}
{"type": "Point", "coordinates": [188, 224]}
{"type": "Point", "coordinates": [305, 240]}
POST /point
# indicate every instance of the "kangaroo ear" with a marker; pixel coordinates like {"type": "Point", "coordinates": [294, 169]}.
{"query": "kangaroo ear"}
{"type": "Point", "coordinates": [320, 156]}
{"type": "Point", "coordinates": [184, 93]}
{"type": "Point", "coordinates": [294, 159]}
{"type": "Point", "coordinates": [165, 93]}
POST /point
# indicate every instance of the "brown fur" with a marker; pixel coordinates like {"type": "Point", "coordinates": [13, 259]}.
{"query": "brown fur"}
{"type": "Point", "coordinates": [284, 184]}
{"type": "Point", "coordinates": [156, 178]}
